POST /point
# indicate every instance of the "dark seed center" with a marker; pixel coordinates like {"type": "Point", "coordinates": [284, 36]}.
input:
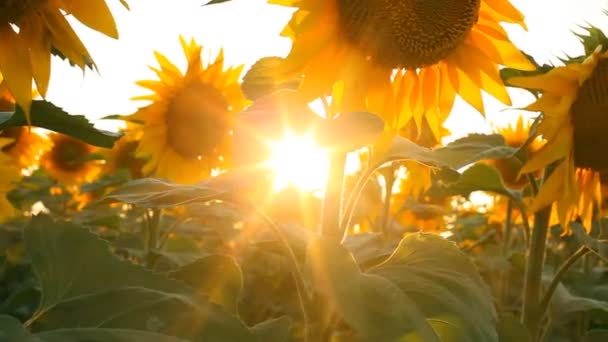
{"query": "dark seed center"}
{"type": "Point", "coordinates": [407, 33]}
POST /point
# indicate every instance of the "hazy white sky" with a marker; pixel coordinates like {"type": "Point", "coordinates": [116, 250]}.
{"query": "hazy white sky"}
{"type": "Point", "coordinates": [249, 30]}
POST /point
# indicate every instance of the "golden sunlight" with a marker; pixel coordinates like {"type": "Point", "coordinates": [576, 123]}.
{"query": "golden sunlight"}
{"type": "Point", "coordinates": [298, 161]}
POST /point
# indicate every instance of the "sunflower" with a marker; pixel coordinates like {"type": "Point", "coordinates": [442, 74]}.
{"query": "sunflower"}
{"type": "Point", "coordinates": [123, 156]}
{"type": "Point", "coordinates": [515, 136]}
{"type": "Point", "coordinates": [69, 160]}
{"type": "Point", "coordinates": [31, 29]}
{"type": "Point", "coordinates": [440, 49]}
{"type": "Point", "coordinates": [9, 174]}
{"type": "Point", "coordinates": [26, 145]}
{"type": "Point", "coordinates": [187, 127]}
{"type": "Point", "coordinates": [574, 102]}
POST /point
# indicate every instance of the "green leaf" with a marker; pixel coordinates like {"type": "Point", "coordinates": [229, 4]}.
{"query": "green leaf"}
{"type": "Point", "coordinates": [444, 285]}
{"type": "Point", "coordinates": [455, 155]}
{"type": "Point", "coordinates": [158, 193]}
{"type": "Point", "coordinates": [12, 330]}
{"type": "Point", "coordinates": [350, 131]}
{"type": "Point", "coordinates": [598, 335]}
{"type": "Point", "coordinates": [104, 335]}
{"type": "Point", "coordinates": [479, 177]}
{"type": "Point", "coordinates": [564, 305]}
{"type": "Point", "coordinates": [263, 78]}
{"type": "Point", "coordinates": [213, 2]}
{"type": "Point", "coordinates": [599, 247]}
{"type": "Point", "coordinates": [46, 115]}
{"type": "Point", "coordinates": [77, 271]}
{"type": "Point", "coordinates": [273, 330]}
{"type": "Point", "coordinates": [374, 306]}
{"type": "Point", "coordinates": [216, 276]}
{"type": "Point", "coordinates": [138, 308]}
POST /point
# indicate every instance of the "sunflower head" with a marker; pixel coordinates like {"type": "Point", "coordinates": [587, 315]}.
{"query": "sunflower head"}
{"type": "Point", "coordinates": [68, 160]}
{"type": "Point", "coordinates": [123, 156]}
{"type": "Point", "coordinates": [440, 48]}
{"type": "Point", "coordinates": [574, 122]}
{"type": "Point", "coordinates": [515, 136]}
{"type": "Point", "coordinates": [26, 146]}
{"type": "Point", "coordinates": [30, 30]}
{"type": "Point", "coordinates": [187, 127]}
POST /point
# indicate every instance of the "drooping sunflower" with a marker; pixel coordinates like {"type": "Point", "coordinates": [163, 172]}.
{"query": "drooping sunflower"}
{"type": "Point", "coordinates": [25, 52]}
{"type": "Point", "coordinates": [440, 49]}
{"type": "Point", "coordinates": [187, 127]}
{"type": "Point", "coordinates": [515, 136]}
{"type": "Point", "coordinates": [69, 160]}
{"type": "Point", "coordinates": [574, 103]}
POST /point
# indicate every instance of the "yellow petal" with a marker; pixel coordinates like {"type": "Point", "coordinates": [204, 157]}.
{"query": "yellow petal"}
{"type": "Point", "coordinates": [94, 14]}
{"type": "Point", "coordinates": [555, 149]}
{"type": "Point", "coordinates": [33, 31]}
{"type": "Point", "coordinates": [16, 67]}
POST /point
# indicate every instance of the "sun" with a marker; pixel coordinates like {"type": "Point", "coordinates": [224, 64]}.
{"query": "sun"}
{"type": "Point", "coordinates": [298, 161]}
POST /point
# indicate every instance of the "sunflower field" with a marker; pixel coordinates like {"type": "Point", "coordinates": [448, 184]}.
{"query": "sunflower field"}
{"type": "Point", "coordinates": [338, 192]}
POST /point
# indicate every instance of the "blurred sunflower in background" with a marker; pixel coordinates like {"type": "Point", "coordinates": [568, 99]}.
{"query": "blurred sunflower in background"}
{"type": "Point", "coordinates": [31, 29]}
{"type": "Point", "coordinates": [574, 104]}
{"type": "Point", "coordinates": [123, 156]}
{"type": "Point", "coordinates": [9, 175]}
{"type": "Point", "coordinates": [187, 127]}
{"type": "Point", "coordinates": [26, 145]}
{"type": "Point", "coordinates": [515, 136]}
{"type": "Point", "coordinates": [440, 48]}
{"type": "Point", "coordinates": [70, 161]}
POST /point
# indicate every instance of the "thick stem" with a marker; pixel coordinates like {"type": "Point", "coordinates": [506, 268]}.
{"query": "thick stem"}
{"type": "Point", "coordinates": [152, 235]}
{"type": "Point", "coordinates": [389, 179]}
{"type": "Point", "coordinates": [332, 203]}
{"type": "Point", "coordinates": [508, 228]}
{"type": "Point", "coordinates": [531, 317]}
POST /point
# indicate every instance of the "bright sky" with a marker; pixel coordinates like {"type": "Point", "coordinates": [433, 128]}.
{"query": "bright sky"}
{"type": "Point", "coordinates": [249, 30]}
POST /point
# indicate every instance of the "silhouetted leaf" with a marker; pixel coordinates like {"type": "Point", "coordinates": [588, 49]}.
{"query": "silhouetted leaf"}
{"type": "Point", "coordinates": [350, 131]}
{"type": "Point", "coordinates": [263, 78]}
{"type": "Point", "coordinates": [479, 177]}
{"type": "Point", "coordinates": [46, 115]}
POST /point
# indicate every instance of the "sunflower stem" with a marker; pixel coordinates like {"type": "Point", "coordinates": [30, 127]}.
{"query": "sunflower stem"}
{"type": "Point", "coordinates": [332, 203]}
{"type": "Point", "coordinates": [531, 315]}
{"type": "Point", "coordinates": [389, 180]}
{"type": "Point", "coordinates": [152, 234]}
{"type": "Point", "coordinates": [508, 228]}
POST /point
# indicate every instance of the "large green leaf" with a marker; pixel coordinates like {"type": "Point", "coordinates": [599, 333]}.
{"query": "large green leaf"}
{"type": "Point", "coordinates": [46, 115]}
{"type": "Point", "coordinates": [138, 308]}
{"type": "Point", "coordinates": [217, 276]}
{"type": "Point", "coordinates": [479, 177]}
{"type": "Point", "coordinates": [263, 78]}
{"type": "Point", "coordinates": [444, 285]}
{"type": "Point", "coordinates": [78, 272]}
{"type": "Point", "coordinates": [104, 335]}
{"type": "Point", "coordinates": [564, 305]}
{"type": "Point", "coordinates": [12, 330]}
{"type": "Point", "coordinates": [374, 306]}
{"type": "Point", "coordinates": [455, 155]}
{"type": "Point", "coordinates": [599, 247]}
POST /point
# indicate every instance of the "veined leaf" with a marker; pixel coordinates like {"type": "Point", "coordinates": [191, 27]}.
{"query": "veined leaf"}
{"type": "Point", "coordinates": [273, 330]}
{"type": "Point", "coordinates": [444, 285]}
{"type": "Point", "coordinates": [77, 271]}
{"type": "Point", "coordinates": [479, 177]}
{"type": "Point", "coordinates": [46, 115]}
{"type": "Point", "coordinates": [216, 276]}
{"type": "Point", "coordinates": [12, 330]}
{"type": "Point", "coordinates": [138, 308]}
{"type": "Point", "coordinates": [374, 306]}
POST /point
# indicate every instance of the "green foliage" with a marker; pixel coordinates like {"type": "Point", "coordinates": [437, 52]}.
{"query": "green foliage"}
{"type": "Point", "coordinates": [479, 177]}
{"type": "Point", "coordinates": [46, 115]}
{"type": "Point", "coordinates": [427, 290]}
